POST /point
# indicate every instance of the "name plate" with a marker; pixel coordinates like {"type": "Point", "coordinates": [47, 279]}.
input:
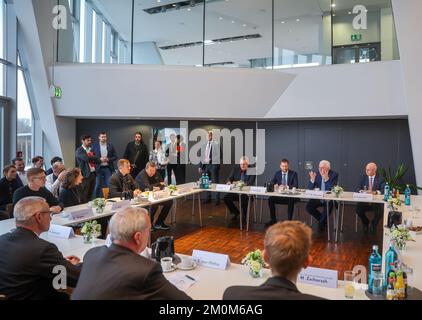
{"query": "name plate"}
{"type": "Point", "coordinates": [258, 189]}
{"type": "Point", "coordinates": [319, 277]}
{"type": "Point", "coordinates": [363, 196]}
{"type": "Point", "coordinates": [314, 193]}
{"type": "Point", "coordinates": [211, 259]}
{"type": "Point", "coordinates": [62, 232]}
{"type": "Point", "coordinates": [223, 187]}
{"type": "Point", "coordinates": [81, 214]}
{"type": "Point", "coordinates": [121, 205]}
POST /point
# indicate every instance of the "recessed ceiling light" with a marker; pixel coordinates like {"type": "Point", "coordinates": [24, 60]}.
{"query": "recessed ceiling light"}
{"type": "Point", "coordinates": [333, 5]}
{"type": "Point", "coordinates": [283, 22]}
{"type": "Point", "coordinates": [297, 20]}
{"type": "Point", "coordinates": [244, 25]}
{"type": "Point", "coordinates": [233, 21]}
{"type": "Point", "coordinates": [220, 18]}
{"type": "Point", "coordinates": [189, 9]}
{"type": "Point", "coordinates": [334, 14]}
{"type": "Point", "coordinates": [349, 12]}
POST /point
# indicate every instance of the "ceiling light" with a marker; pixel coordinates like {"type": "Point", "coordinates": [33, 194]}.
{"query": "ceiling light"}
{"type": "Point", "coordinates": [206, 42]}
{"type": "Point", "coordinates": [349, 12]}
{"type": "Point", "coordinates": [244, 25]}
{"type": "Point", "coordinates": [220, 18]}
{"type": "Point", "coordinates": [233, 21]}
{"type": "Point", "coordinates": [283, 22]}
{"type": "Point", "coordinates": [333, 5]}
{"type": "Point", "coordinates": [189, 9]}
{"type": "Point", "coordinates": [297, 20]}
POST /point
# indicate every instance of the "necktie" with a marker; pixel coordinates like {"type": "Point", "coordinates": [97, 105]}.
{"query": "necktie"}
{"type": "Point", "coordinates": [322, 184]}
{"type": "Point", "coordinates": [207, 153]}
{"type": "Point", "coordinates": [370, 183]}
{"type": "Point", "coordinates": [284, 180]}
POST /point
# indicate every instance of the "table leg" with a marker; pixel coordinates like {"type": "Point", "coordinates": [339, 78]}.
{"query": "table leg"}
{"type": "Point", "coordinates": [241, 213]}
{"type": "Point", "coordinates": [193, 205]}
{"type": "Point", "coordinates": [200, 210]}
{"type": "Point", "coordinates": [337, 213]}
{"type": "Point", "coordinates": [174, 211]}
{"type": "Point", "coordinates": [328, 220]}
{"type": "Point", "coordinates": [248, 213]}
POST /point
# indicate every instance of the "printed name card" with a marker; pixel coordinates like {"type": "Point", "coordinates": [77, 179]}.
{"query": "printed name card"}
{"type": "Point", "coordinates": [314, 193]}
{"type": "Point", "coordinates": [258, 189]}
{"type": "Point", "coordinates": [211, 259]}
{"type": "Point", "coordinates": [62, 232]}
{"type": "Point", "coordinates": [121, 205]}
{"type": "Point", "coordinates": [319, 277]}
{"type": "Point", "coordinates": [363, 196]}
{"type": "Point", "coordinates": [81, 214]}
{"type": "Point", "coordinates": [223, 187]}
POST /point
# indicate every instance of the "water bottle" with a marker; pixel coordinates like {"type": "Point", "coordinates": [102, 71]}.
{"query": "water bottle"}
{"type": "Point", "coordinates": [390, 259]}
{"type": "Point", "coordinates": [206, 182]}
{"type": "Point", "coordinates": [375, 265]}
{"type": "Point", "coordinates": [407, 193]}
{"type": "Point", "coordinates": [386, 192]}
{"type": "Point", "coordinates": [202, 181]}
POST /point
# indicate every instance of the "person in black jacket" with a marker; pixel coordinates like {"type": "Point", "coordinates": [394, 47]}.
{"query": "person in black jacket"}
{"type": "Point", "coordinates": [137, 153]}
{"type": "Point", "coordinates": [87, 161]}
{"type": "Point", "coordinates": [122, 182]}
{"type": "Point", "coordinates": [239, 173]}
{"type": "Point", "coordinates": [27, 261]}
{"type": "Point", "coordinates": [287, 245]}
{"type": "Point", "coordinates": [8, 185]}
{"type": "Point", "coordinates": [120, 272]}
{"type": "Point", "coordinates": [70, 193]}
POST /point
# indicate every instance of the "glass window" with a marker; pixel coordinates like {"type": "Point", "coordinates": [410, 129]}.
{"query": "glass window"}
{"type": "Point", "coordinates": [2, 77]}
{"type": "Point", "coordinates": [2, 25]}
{"type": "Point", "coordinates": [25, 121]}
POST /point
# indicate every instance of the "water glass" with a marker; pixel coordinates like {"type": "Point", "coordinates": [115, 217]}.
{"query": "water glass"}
{"type": "Point", "coordinates": [378, 284]}
{"type": "Point", "coordinates": [349, 284]}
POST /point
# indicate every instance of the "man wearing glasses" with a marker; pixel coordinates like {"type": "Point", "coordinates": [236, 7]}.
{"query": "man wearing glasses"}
{"type": "Point", "coordinates": [27, 261]}
{"type": "Point", "coordinates": [36, 188]}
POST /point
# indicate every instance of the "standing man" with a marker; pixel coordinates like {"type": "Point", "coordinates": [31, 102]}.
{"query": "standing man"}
{"type": "Point", "coordinates": [370, 183]}
{"type": "Point", "coordinates": [8, 185]}
{"type": "Point", "coordinates": [181, 156]}
{"type": "Point", "coordinates": [324, 180]}
{"type": "Point", "coordinates": [137, 153]}
{"type": "Point", "coordinates": [105, 169]}
{"type": "Point", "coordinates": [171, 154]}
{"type": "Point", "coordinates": [158, 156]}
{"type": "Point", "coordinates": [20, 169]}
{"type": "Point", "coordinates": [210, 163]}
{"type": "Point", "coordinates": [87, 161]}
{"type": "Point", "coordinates": [285, 178]}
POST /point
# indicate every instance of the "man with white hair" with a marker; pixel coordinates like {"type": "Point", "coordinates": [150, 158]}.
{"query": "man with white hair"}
{"type": "Point", "coordinates": [120, 272]}
{"type": "Point", "coordinates": [324, 180]}
{"type": "Point", "coordinates": [27, 261]}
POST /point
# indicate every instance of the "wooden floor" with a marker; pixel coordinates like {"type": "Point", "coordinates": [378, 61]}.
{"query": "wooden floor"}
{"type": "Point", "coordinates": [221, 236]}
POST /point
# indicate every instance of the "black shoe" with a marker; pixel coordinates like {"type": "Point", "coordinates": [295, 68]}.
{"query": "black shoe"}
{"type": "Point", "coordinates": [207, 201]}
{"type": "Point", "coordinates": [162, 226]}
{"type": "Point", "coordinates": [235, 216]}
{"type": "Point", "coordinates": [365, 228]}
{"type": "Point", "coordinates": [322, 225]}
{"type": "Point", "coordinates": [217, 203]}
{"type": "Point", "coordinates": [270, 223]}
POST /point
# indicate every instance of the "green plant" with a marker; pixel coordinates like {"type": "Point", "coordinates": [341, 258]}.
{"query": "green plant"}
{"type": "Point", "coordinates": [91, 230]}
{"type": "Point", "coordinates": [392, 202]}
{"type": "Point", "coordinates": [400, 236]}
{"type": "Point", "coordinates": [99, 203]}
{"type": "Point", "coordinates": [172, 188]}
{"type": "Point", "coordinates": [337, 190]}
{"type": "Point", "coordinates": [394, 179]}
{"type": "Point", "coordinates": [255, 261]}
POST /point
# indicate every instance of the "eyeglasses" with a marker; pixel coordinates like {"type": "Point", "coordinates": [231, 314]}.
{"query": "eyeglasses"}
{"type": "Point", "coordinates": [51, 213]}
{"type": "Point", "coordinates": [41, 178]}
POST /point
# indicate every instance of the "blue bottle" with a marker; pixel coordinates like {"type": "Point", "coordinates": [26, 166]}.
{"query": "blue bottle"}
{"type": "Point", "coordinates": [375, 265]}
{"type": "Point", "coordinates": [206, 181]}
{"type": "Point", "coordinates": [386, 192]}
{"type": "Point", "coordinates": [407, 193]}
{"type": "Point", "coordinates": [390, 259]}
{"type": "Point", "coordinates": [202, 180]}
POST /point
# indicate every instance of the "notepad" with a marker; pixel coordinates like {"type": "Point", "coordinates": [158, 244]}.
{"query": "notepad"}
{"type": "Point", "coordinates": [183, 281]}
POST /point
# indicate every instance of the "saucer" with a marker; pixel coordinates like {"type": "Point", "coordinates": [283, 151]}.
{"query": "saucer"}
{"type": "Point", "coordinates": [193, 266]}
{"type": "Point", "coordinates": [173, 268]}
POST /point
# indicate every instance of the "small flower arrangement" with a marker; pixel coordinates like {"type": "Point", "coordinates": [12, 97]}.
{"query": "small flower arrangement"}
{"type": "Point", "coordinates": [241, 185]}
{"type": "Point", "coordinates": [255, 261]}
{"type": "Point", "coordinates": [392, 202]}
{"type": "Point", "coordinates": [172, 189]}
{"type": "Point", "coordinates": [400, 236]}
{"type": "Point", "coordinates": [99, 204]}
{"type": "Point", "coordinates": [90, 230]}
{"type": "Point", "coordinates": [337, 190]}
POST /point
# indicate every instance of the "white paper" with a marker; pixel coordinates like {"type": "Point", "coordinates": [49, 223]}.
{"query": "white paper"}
{"type": "Point", "coordinates": [182, 281]}
{"type": "Point", "coordinates": [211, 259]}
{"type": "Point", "coordinates": [223, 187]}
{"type": "Point", "coordinates": [363, 196]}
{"type": "Point", "coordinates": [81, 214]}
{"type": "Point", "coordinates": [258, 189]}
{"type": "Point", "coordinates": [319, 277]}
{"type": "Point", "coordinates": [62, 232]}
{"type": "Point", "coordinates": [121, 205]}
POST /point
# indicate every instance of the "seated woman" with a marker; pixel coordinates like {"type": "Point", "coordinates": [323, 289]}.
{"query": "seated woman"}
{"type": "Point", "coordinates": [70, 193]}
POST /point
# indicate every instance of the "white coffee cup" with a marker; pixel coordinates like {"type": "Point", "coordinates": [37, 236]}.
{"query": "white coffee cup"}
{"type": "Point", "coordinates": [166, 263]}
{"type": "Point", "coordinates": [186, 262]}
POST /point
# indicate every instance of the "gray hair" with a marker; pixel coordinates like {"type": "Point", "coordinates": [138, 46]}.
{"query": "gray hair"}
{"type": "Point", "coordinates": [244, 158]}
{"type": "Point", "coordinates": [25, 208]}
{"type": "Point", "coordinates": [124, 224]}
{"type": "Point", "coordinates": [325, 163]}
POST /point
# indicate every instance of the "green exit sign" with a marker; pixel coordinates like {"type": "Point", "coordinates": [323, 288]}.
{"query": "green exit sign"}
{"type": "Point", "coordinates": [58, 92]}
{"type": "Point", "coordinates": [356, 37]}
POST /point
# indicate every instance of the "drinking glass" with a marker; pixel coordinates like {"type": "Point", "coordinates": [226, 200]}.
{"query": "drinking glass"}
{"type": "Point", "coordinates": [349, 284]}
{"type": "Point", "coordinates": [378, 284]}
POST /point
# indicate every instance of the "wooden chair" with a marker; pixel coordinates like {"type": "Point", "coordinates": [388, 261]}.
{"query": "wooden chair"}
{"type": "Point", "coordinates": [106, 192]}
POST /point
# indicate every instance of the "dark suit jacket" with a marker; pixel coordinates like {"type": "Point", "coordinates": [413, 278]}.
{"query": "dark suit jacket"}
{"type": "Point", "coordinates": [332, 181]}
{"type": "Point", "coordinates": [377, 186]}
{"type": "Point", "coordinates": [275, 288]}
{"type": "Point", "coordinates": [235, 176]}
{"type": "Point", "coordinates": [144, 181]}
{"type": "Point", "coordinates": [215, 155]}
{"type": "Point", "coordinates": [292, 181]}
{"type": "Point", "coordinates": [26, 267]}
{"type": "Point", "coordinates": [7, 189]}
{"type": "Point", "coordinates": [139, 159]}
{"type": "Point", "coordinates": [116, 273]}
{"type": "Point", "coordinates": [119, 183]}
{"type": "Point", "coordinates": [82, 159]}
{"type": "Point", "coordinates": [111, 154]}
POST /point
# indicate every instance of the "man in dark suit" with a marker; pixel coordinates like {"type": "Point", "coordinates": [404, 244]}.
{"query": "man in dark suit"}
{"type": "Point", "coordinates": [287, 247]}
{"type": "Point", "coordinates": [239, 173]}
{"type": "Point", "coordinates": [122, 182]}
{"type": "Point", "coordinates": [137, 153]}
{"type": "Point", "coordinates": [171, 154]}
{"type": "Point", "coordinates": [8, 185]}
{"type": "Point", "coordinates": [373, 184]}
{"type": "Point", "coordinates": [120, 272]}
{"type": "Point", "coordinates": [283, 178]}
{"type": "Point", "coordinates": [27, 262]}
{"type": "Point", "coordinates": [87, 161]}
{"type": "Point", "coordinates": [324, 180]}
{"type": "Point", "coordinates": [182, 160]}
{"type": "Point", "coordinates": [108, 155]}
{"type": "Point", "coordinates": [210, 163]}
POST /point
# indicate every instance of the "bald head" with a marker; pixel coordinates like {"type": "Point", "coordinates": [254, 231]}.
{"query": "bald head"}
{"type": "Point", "coordinates": [371, 169]}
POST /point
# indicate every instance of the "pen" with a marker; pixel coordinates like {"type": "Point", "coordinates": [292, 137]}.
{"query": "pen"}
{"type": "Point", "coordinates": [189, 277]}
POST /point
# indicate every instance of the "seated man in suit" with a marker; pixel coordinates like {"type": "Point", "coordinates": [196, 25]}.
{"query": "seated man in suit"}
{"type": "Point", "coordinates": [120, 272]}
{"type": "Point", "coordinates": [122, 181]}
{"type": "Point", "coordinates": [239, 173]}
{"type": "Point", "coordinates": [373, 184]}
{"type": "Point", "coordinates": [27, 262]}
{"type": "Point", "coordinates": [287, 245]}
{"type": "Point", "coordinates": [284, 177]}
{"type": "Point", "coordinates": [324, 180]}
{"type": "Point", "coordinates": [150, 179]}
